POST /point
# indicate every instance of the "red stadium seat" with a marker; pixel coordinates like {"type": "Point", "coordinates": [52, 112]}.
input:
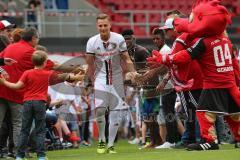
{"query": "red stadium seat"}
{"type": "Point", "coordinates": [139, 17]}
{"type": "Point", "coordinates": [184, 6]}
{"type": "Point", "coordinates": [139, 31]}
{"type": "Point", "coordinates": [155, 17]}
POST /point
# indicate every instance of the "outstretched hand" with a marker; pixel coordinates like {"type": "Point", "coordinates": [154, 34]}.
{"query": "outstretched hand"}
{"type": "Point", "coordinates": [133, 76]}
{"type": "Point", "coordinates": [144, 78]}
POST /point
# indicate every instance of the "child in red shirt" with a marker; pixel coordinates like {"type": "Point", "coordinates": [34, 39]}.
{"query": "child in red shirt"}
{"type": "Point", "coordinates": [35, 82]}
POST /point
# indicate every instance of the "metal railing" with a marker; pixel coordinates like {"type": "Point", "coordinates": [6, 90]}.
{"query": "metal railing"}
{"type": "Point", "coordinates": [75, 19]}
{"type": "Point", "coordinates": [58, 20]}
{"type": "Point", "coordinates": [130, 14]}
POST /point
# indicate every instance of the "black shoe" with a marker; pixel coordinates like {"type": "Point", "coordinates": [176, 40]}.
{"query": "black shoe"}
{"type": "Point", "coordinates": [202, 146]}
{"type": "Point", "coordinates": [111, 150]}
{"type": "Point", "coordinates": [237, 145]}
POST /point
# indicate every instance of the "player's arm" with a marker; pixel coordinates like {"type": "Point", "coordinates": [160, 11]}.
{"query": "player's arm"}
{"type": "Point", "coordinates": [14, 86]}
{"type": "Point", "coordinates": [126, 63]}
{"type": "Point", "coordinates": [90, 59]}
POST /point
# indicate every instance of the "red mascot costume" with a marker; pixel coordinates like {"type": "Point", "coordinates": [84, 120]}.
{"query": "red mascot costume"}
{"type": "Point", "coordinates": [213, 51]}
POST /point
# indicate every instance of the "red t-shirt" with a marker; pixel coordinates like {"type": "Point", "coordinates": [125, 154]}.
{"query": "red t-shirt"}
{"type": "Point", "coordinates": [189, 70]}
{"type": "Point", "coordinates": [22, 53]}
{"type": "Point", "coordinates": [36, 82]}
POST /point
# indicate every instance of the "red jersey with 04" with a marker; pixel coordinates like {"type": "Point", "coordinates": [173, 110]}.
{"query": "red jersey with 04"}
{"type": "Point", "coordinates": [216, 63]}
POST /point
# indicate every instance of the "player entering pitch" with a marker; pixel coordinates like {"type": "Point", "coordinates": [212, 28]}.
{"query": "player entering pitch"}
{"type": "Point", "coordinates": [107, 60]}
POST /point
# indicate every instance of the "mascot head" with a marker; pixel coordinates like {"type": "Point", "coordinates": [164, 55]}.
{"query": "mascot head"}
{"type": "Point", "coordinates": [208, 18]}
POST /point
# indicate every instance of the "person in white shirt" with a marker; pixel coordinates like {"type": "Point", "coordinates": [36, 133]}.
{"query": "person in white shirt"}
{"type": "Point", "coordinates": [108, 60]}
{"type": "Point", "coordinates": [168, 95]}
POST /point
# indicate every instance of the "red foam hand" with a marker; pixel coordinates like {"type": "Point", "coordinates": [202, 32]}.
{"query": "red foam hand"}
{"type": "Point", "coordinates": [156, 53]}
{"type": "Point", "coordinates": [155, 60]}
{"type": "Point", "coordinates": [152, 62]}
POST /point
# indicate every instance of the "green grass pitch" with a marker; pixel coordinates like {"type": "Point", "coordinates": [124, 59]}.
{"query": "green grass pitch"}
{"type": "Point", "coordinates": [131, 152]}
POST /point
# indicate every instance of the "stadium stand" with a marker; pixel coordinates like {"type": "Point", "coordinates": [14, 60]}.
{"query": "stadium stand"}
{"type": "Point", "coordinates": [79, 19]}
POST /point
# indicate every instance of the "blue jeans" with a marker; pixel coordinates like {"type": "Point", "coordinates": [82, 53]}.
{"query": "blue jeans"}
{"type": "Point", "coordinates": [33, 110]}
{"type": "Point", "coordinates": [185, 136]}
{"type": "Point", "coordinates": [16, 117]}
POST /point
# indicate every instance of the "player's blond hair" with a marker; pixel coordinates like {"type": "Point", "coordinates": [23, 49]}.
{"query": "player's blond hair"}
{"type": "Point", "coordinates": [103, 16]}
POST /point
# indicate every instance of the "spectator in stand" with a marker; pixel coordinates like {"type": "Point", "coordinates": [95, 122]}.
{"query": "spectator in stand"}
{"type": "Point", "coordinates": [3, 6]}
{"type": "Point", "coordinates": [33, 6]}
{"type": "Point", "coordinates": [50, 4]}
{"type": "Point", "coordinates": [12, 7]}
{"type": "Point", "coordinates": [62, 4]}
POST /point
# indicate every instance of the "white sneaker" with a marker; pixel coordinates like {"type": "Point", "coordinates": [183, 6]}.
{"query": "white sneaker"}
{"type": "Point", "coordinates": [67, 144]}
{"type": "Point", "coordinates": [134, 141]}
{"type": "Point", "coordinates": [165, 145]}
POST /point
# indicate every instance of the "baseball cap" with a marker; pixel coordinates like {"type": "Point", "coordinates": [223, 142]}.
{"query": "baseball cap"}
{"type": "Point", "coordinates": [168, 24]}
{"type": "Point", "coordinates": [6, 24]}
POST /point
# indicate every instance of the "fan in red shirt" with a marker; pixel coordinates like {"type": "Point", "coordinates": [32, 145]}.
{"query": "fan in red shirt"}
{"type": "Point", "coordinates": [187, 78]}
{"type": "Point", "coordinates": [9, 99]}
{"type": "Point", "coordinates": [21, 52]}
{"type": "Point", "coordinates": [36, 82]}
{"type": "Point", "coordinates": [214, 53]}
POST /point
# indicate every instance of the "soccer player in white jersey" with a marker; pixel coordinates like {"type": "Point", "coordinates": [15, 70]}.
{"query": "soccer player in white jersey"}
{"type": "Point", "coordinates": [108, 60]}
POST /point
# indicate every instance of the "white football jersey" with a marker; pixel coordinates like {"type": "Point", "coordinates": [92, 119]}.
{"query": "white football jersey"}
{"type": "Point", "coordinates": [107, 57]}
